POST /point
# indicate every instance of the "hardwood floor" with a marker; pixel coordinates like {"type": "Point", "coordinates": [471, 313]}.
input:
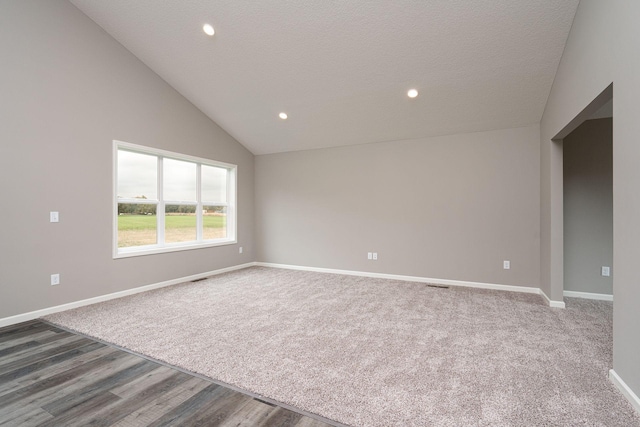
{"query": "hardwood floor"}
{"type": "Point", "coordinates": [51, 377]}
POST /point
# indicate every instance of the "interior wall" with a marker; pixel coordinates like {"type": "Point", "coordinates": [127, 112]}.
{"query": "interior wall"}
{"type": "Point", "coordinates": [588, 207]}
{"type": "Point", "coordinates": [450, 207]}
{"type": "Point", "coordinates": [69, 89]}
{"type": "Point", "coordinates": [601, 49]}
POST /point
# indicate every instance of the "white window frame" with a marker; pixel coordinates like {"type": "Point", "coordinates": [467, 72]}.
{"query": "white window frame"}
{"type": "Point", "coordinates": [162, 247]}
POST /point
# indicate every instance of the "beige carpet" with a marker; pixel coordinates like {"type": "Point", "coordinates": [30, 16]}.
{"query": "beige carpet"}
{"type": "Point", "coordinates": [373, 352]}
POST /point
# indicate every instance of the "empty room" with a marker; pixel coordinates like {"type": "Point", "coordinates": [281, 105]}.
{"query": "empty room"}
{"type": "Point", "coordinates": [336, 213]}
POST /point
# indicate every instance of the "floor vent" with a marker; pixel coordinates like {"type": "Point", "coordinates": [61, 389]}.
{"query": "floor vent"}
{"type": "Point", "coordinates": [438, 286]}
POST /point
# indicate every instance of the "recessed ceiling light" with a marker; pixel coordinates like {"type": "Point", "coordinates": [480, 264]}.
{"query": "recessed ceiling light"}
{"type": "Point", "coordinates": [283, 116]}
{"type": "Point", "coordinates": [208, 29]}
{"type": "Point", "coordinates": [412, 93]}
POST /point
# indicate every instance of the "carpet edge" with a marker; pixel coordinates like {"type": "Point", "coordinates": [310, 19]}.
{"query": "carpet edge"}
{"type": "Point", "coordinates": [626, 391]}
{"type": "Point", "coordinates": [448, 282]}
{"type": "Point", "coordinates": [24, 317]}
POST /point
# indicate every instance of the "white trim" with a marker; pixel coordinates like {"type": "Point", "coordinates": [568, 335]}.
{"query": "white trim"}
{"type": "Point", "coordinates": [114, 196]}
{"type": "Point", "coordinates": [43, 312]}
{"type": "Point", "coordinates": [171, 247]}
{"type": "Point", "coordinates": [588, 295]}
{"type": "Point", "coordinates": [480, 285]}
{"type": "Point", "coordinates": [552, 304]}
{"type": "Point", "coordinates": [625, 390]}
{"type": "Point", "coordinates": [171, 154]}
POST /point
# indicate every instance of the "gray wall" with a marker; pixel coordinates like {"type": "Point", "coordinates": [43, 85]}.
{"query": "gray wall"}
{"type": "Point", "coordinates": [588, 207]}
{"type": "Point", "coordinates": [67, 90]}
{"type": "Point", "coordinates": [450, 207]}
{"type": "Point", "coordinates": [602, 48]}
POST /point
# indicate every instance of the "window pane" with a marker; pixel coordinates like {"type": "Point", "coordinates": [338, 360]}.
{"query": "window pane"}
{"type": "Point", "coordinates": [180, 223]}
{"type": "Point", "coordinates": [179, 180]}
{"type": "Point", "coordinates": [137, 175]}
{"type": "Point", "coordinates": [214, 184]}
{"type": "Point", "coordinates": [214, 222]}
{"type": "Point", "coordinates": [137, 225]}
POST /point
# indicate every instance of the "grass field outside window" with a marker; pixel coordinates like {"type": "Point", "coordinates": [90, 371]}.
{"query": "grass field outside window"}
{"type": "Point", "coordinates": [140, 230]}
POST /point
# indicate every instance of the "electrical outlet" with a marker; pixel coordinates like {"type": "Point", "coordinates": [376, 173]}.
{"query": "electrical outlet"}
{"type": "Point", "coordinates": [54, 217]}
{"type": "Point", "coordinates": [369, 255]}
{"type": "Point", "coordinates": [375, 256]}
{"type": "Point", "coordinates": [55, 279]}
{"type": "Point", "coordinates": [506, 264]}
{"type": "Point", "coordinates": [240, 249]}
{"type": "Point", "coordinates": [606, 271]}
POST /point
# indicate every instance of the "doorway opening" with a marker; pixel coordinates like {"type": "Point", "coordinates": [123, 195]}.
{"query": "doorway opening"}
{"type": "Point", "coordinates": [587, 155]}
{"type": "Point", "coordinates": [586, 149]}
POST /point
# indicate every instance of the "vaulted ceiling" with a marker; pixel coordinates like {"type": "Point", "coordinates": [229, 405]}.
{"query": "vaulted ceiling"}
{"type": "Point", "coordinates": [341, 69]}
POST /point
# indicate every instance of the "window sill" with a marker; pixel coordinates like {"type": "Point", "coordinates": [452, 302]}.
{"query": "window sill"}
{"type": "Point", "coordinates": [175, 247]}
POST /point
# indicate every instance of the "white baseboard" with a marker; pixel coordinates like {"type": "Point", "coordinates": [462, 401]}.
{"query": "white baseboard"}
{"type": "Point", "coordinates": [625, 390]}
{"type": "Point", "coordinates": [45, 311]}
{"type": "Point", "coordinates": [588, 295]}
{"type": "Point", "coordinates": [552, 304]}
{"type": "Point", "coordinates": [480, 285]}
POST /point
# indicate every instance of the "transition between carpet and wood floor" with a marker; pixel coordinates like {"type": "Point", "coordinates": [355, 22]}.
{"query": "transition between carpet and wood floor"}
{"type": "Point", "coordinates": [50, 377]}
{"type": "Point", "coordinates": [377, 352]}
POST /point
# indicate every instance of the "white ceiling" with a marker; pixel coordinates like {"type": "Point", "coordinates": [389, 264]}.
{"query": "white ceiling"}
{"type": "Point", "coordinates": [341, 69]}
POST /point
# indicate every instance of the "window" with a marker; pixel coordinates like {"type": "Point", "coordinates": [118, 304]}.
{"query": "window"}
{"type": "Point", "coordinates": [166, 201]}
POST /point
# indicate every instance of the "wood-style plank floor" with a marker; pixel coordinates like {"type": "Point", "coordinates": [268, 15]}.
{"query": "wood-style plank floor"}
{"type": "Point", "coordinates": [51, 377]}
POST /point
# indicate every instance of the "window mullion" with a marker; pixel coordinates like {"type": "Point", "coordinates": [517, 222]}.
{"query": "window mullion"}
{"type": "Point", "coordinates": [161, 207]}
{"type": "Point", "coordinates": [230, 203]}
{"type": "Point", "coordinates": [199, 206]}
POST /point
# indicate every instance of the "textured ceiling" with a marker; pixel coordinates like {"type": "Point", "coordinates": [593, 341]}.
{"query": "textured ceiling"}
{"type": "Point", "coordinates": [341, 69]}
